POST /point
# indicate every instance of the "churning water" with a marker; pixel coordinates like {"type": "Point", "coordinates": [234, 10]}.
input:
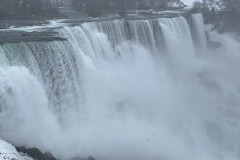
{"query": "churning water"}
{"type": "Point", "coordinates": [125, 89]}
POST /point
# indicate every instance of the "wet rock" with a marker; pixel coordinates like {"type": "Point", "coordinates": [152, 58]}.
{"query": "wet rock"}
{"type": "Point", "coordinates": [214, 45]}
{"type": "Point", "coordinates": [80, 158]}
{"type": "Point", "coordinates": [49, 155]}
{"type": "Point", "coordinates": [35, 153]}
{"type": "Point", "coordinates": [21, 36]}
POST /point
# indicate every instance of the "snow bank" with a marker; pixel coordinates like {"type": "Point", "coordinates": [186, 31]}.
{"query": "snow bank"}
{"type": "Point", "coordinates": [8, 152]}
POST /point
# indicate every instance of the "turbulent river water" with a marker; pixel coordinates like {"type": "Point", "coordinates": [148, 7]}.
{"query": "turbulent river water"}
{"type": "Point", "coordinates": [126, 90]}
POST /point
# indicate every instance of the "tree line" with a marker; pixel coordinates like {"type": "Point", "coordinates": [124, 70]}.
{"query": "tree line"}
{"type": "Point", "coordinates": [43, 8]}
{"type": "Point", "coordinates": [228, 19]}
{"type": "Point", "coordinates": [121, 4]}
{"type": "Point", "coordinates": [94, 7]}
{"type": "Point", "coordinates": [232, 19]}
{"type": "Point", "coordinates": [230, 5]}
{"type": "Point", "coordinates": [27, 9]}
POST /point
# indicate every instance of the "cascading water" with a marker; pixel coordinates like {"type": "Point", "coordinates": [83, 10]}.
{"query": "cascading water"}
{"type": "Point", "coordinates": [119, 89]}
{"type": "Point", "coordinates": [198, 31]}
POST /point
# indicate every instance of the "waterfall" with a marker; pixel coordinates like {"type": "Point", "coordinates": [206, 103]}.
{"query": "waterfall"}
{"type": "Point", "coordinates": [198, 31]}
{"type": "Point", "coordinates": [124, 89]}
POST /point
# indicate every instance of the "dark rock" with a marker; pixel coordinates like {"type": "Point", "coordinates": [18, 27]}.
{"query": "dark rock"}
{"type": "Point", "coordinates": [24, 34]}
{"type": "Point", "coordinates": [91, 158]}
{"type": "Point", "coordinates": [49, 155]}
{"type": "Point", "coordinates": [35, 153]}
{"type": "Point", "coordinates": [80, 158]}
{"type": "Point", "coordinates": [21, 36]}
{"type": "Point", "coordinates": [214, 45]}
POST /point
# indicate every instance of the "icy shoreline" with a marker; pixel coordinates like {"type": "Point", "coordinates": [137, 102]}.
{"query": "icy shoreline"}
{"type": "Point", "coordinates": [8, 152]}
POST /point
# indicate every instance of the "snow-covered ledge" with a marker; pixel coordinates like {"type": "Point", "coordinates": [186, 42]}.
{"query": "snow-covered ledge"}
{"type": "Point", "coordinates": [8, 152]}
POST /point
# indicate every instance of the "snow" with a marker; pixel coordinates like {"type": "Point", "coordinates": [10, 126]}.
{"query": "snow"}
{"type": "Point", "coordinates": [8, 152]}
{"type": "Point", "coordinates": [51, 24]}
{"type": "Point", "coordinates": [176, 4]}
{"type": "Point", "coordinates": [189, 2]}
